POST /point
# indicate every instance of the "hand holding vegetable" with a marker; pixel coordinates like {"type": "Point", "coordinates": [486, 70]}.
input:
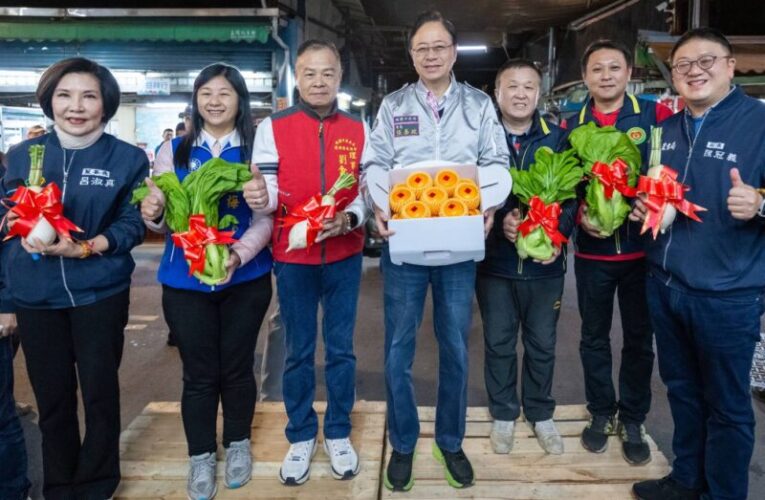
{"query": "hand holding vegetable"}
{"type": "Point", "coordinates": [639, 211]}
{"type": "Point", "coordinates": [7, 324]}
{"type": "Point", "coordinates": [154, 204]}
{"type": "Point", "coordinates": [255, 191]}
{"type": "Point", "coordinates": [743, 200]}
{"type": "Point", "coordinates": [510, 225]}
{"type": "Point", "coordinates": [381, 221]}
{"type": "Point", "coordinates": [64, 247]}
{"type": "Point", "coordinates": [556, 253]}
{"type": "Point", "coordinates": [232, 264]}
{"type": "Point", "coordinates": [588, 226]}
{"type": "Point", "coordinates": [336, 226]}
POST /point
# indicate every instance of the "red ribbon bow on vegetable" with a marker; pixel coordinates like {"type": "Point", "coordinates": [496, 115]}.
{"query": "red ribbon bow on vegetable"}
{"type": "Point", "coordinates": [546, 216]}
{"type": "Point", "coordinates": [197, 238]}
{"type": "Point", "coordinates": [613, 177]}
{"type": "Point", "coordinates": [31, 206]}
{"type": "Point", "coordinates": [662, 192]}
{"type": "Point", "coordinates": [314, 213]}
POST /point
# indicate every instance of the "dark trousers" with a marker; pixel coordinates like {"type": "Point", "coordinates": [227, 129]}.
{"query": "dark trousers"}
{"type": "Point", "coordinates": [13, 454]}
{"type": "Point", "coordinates": [506, 305]}
{"type": "Point", "coordinates": [705, 346]}
{"type": "Point", "coordinates": [301, 288]}
{"type": "Point", "coordinates": [216, 334]}
{"type": "Point", "coordinates": [596, 283]}
{"type": "Point", "coordinates": [62, 347]}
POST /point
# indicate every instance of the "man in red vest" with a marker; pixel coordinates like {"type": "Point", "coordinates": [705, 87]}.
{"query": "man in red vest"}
{"type": "Point", "coordinates": [300, 152]}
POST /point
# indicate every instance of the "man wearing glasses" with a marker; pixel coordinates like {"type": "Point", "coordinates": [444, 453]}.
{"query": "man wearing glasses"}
{"type": "Point", "coordinates": [706, 279]}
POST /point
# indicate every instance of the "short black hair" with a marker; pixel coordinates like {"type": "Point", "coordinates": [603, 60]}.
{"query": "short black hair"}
{"type": "Point", "coordinates": [428, 17]}
{"type": "Point", "coordinates": [180, 127]}
{"type": "Point", "coordinates": [167, 130]}
{"type": "Point", "coordinates": [605, 43]}
{"type": "Point", "coordinates": [710, 34]}
{"type": "Point", "coordinates": [316, 44]}
{"type": "Point", "coordinates": [110, 89]}
{"type": "Point", "coordinates": [517, 63]}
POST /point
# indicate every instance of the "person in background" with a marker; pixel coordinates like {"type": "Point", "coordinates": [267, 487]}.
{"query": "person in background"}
{"type": "Point", "coordinates": [301, 152]}
{"type": "Point", "coordinates": [14, 484]}
{"type": "Point", "coordinates": [512, 292]}
{"type": "Point", "coordinates": [72, 302]}
{"type": "Point", "coordinates": [35, 131]}
{"type": "Point", "coordinates": [454, 122]}
{"type": "Point", "coordinates": [216, 327]}
{"type": "Point", "coordinates": [706, 279]}
{"type": "Point", "coordinates": [167, 135]}
{"type": "Point", "coordinates": [614, 265]}
{"type": "Point", "coordinates": [180, 129]}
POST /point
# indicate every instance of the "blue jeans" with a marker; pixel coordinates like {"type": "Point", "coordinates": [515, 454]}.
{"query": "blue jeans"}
{"type": "Point", "coordinates": [705, 345]}
{"type": "Point", "coordinates": [301, 288]}
{"type": "Point", "coordinates": [405, 288]}
{"type": "Point", "coordinates": [13, 454]}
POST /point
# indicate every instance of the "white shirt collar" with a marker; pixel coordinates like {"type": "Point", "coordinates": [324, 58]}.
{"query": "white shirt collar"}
{"type": "Point", "coordinates": [230, 140]}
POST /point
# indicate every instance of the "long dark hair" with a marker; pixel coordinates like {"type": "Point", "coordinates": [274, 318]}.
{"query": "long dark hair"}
{"type": "Point", "coordinates": [243, 123]}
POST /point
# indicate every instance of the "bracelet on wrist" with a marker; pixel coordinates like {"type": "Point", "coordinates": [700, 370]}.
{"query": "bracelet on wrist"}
{"type": "Point", "coordinates": [87, 249]}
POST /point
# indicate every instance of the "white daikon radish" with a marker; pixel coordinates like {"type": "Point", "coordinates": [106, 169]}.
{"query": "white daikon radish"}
{"type": "Point", "coordinates": [298, 236]}
{"type": "Point", "coordinates": [654, 172]}
{"type": "Point", "coordinates": [42, 231]}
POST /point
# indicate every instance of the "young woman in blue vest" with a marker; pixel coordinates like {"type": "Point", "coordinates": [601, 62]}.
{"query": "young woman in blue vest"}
{"type": "Point", "coordinates": [72, 302]}
{"type": "Point", "coordinates": [216, 327]}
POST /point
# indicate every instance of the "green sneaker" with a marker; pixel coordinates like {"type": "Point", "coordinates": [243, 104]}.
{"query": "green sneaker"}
{"type": "Point", "coordinates": [595, 435]}
{"type": "Point", "coordinates": [398, 474]}
{"type": "Point", "coordinates": [457, 468]}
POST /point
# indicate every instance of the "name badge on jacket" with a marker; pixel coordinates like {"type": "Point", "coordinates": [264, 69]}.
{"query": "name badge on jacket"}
{"type": "Point", "coordinates": [405, 126]}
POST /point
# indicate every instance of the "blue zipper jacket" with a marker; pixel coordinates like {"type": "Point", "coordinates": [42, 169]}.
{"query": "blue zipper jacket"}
{"type": "Point", "coordinates": [501, 255]}
{"type": "Point", "coordinates": [721, 254]}
{"type": "Point", "coordinates": [96, 185]}
{"type": "Point", "coordinates": [173, 269]}
{"type": "Point", "coordinates": [636, 118]}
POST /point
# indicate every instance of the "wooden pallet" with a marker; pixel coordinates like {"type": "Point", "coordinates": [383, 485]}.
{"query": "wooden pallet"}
{"type": "Point", "coordinates": [527, 472]}
{"type": "Point", "coordinates": [155, 459]}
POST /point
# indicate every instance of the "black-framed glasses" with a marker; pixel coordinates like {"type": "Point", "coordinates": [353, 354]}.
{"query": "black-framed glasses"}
{"type": "Point", "coordinates": [703, 62]}
{"type": "Point", "coordinates": [438, 50]}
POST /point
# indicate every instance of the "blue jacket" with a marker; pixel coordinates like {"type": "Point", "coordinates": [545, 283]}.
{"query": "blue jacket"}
{"type": "Point", "coordinates": [501, 255]}
{"type": "Point", "coordinates": [96, 184]}
{"type": "Point", "coordinates": [636, 118]}
{"type": "Point", "coordinates": [720, 254]}
{"type": "Point", "coordinates": [173, 269]}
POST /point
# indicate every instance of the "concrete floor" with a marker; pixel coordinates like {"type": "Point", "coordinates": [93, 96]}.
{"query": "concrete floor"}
{"type": "Point", "coordinates": [151, 370]}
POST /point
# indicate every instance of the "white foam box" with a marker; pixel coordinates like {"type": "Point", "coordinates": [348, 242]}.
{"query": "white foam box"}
{"type": "Point", "coordinates": [437, 241]}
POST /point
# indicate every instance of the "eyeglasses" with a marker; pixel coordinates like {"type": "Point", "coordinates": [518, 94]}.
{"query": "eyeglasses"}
{"type": "Point", "coordinates": [703, 62]}
{"type": "Point", "coordinates": [438, 50]}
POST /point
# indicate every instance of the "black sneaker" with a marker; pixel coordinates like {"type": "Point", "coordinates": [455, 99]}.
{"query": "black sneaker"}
{"type": "Point", "coordinates": [665, 488]}
{"type": "Point", "coordinates": [398, 475]}
{"type": "Point", "coordinates": [634, 445]}
{"type": "Point", "coordinates": [459, 472]}
{"type": "Point", "coordinates": [595, 435]}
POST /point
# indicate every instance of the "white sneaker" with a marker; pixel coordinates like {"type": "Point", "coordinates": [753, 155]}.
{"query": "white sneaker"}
{"type": "Point", "coordinates": [238, 464]}
{"type": "Point", "coordinates": [342, 457]}
{"type": "Point", "coordinates": [296, 467]}
{"type": "Point", "coordinates": [200, 484]}
{"type": "Point", "coordinates": [548, 436]}
{"type": "Point", "coordinates": [502, 436]}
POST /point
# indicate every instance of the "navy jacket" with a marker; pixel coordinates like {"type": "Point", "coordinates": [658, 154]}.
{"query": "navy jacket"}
{"type": "Point", "coordinates": [96, 184]}
{"type": "Point", "coordinates": [636, 118]}
{"type": "Point", "coordinates": [501, 255]}
{"type": "Point", "coordinates": [173, 269]}
{"type": "Point", "coordinates": [721, 254]}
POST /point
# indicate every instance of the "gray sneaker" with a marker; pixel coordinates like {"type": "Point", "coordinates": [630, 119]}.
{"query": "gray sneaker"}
{"type": "Point", "coordinates": [502, 436]}
{"type": "Point", "coordinates": [238, 464]}
{"type": "Point", "coordinates": [548, 436]}
{"type": "Point", "coordinates": [201, 483]}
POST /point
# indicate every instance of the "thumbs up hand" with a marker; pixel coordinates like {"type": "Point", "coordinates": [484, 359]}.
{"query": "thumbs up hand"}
{"type": "Point", "coordinates": [743, 200]}
{"type": "Point", "coordinates": [255, 191]}
{"type": "Point", "coordinates": [154, 204]}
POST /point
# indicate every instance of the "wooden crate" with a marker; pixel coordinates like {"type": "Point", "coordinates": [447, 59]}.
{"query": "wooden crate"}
{"type": "Point", "coordinates": [527, 472]}
{"type": "Point", "coordinates": [155, 458]}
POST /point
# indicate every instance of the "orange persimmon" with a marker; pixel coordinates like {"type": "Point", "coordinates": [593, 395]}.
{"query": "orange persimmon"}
{"type": "Point", "coordinates": [415, 210]}
{"type": "Point", "coordinates": [447, 179]}
{"type": "Point", "coordinates": [467, 191]}
{"type": "Point", "coordinates": [453, 207]}
{"type": "Point", "coordinates": [419, 182]}
{"type": "Point", "coordinates": [400, 195]}
{"type": "Point", "coordinates": [434, 197]}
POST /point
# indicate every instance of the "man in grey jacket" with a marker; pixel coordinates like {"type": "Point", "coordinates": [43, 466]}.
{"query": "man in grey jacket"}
{"type": "Point", "coordinates": [435, 118]}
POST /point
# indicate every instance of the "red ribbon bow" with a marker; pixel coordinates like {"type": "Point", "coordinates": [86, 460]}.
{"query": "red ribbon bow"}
{"type": "Point", "coordinates": [197, 238]}
{"type": "Point", "coordinates": [314, 213]}
{"type": "Point", "coordinates": [546, 216]}
{"type": "Point", "coordinates": [613, 177]}
{"type": "Point", "coordinates": [662, 192]}
{"type": "Point", "coordinates": [31, 206]}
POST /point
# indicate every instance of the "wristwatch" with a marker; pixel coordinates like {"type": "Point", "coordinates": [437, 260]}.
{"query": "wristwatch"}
{"type": "Point", "coordinates": [761, 210]}
{"type": "Point", "coordinates": [352, 219]}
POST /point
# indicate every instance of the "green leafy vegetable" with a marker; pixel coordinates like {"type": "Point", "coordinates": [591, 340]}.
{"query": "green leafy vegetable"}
{"type": "Point", "coordinates": [552, 177]}
{"type": "Point", "coordinates": [605, 144]}
{"type": "Point", "coordinates": [200, 193]}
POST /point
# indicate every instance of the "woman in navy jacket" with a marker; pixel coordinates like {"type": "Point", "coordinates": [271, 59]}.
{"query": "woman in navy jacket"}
{"type": "Point", "coordinates": [72, 301]}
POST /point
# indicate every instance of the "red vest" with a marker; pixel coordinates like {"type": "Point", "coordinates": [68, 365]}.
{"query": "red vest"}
{"type": "Point", "coordinates": [312, 153]}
